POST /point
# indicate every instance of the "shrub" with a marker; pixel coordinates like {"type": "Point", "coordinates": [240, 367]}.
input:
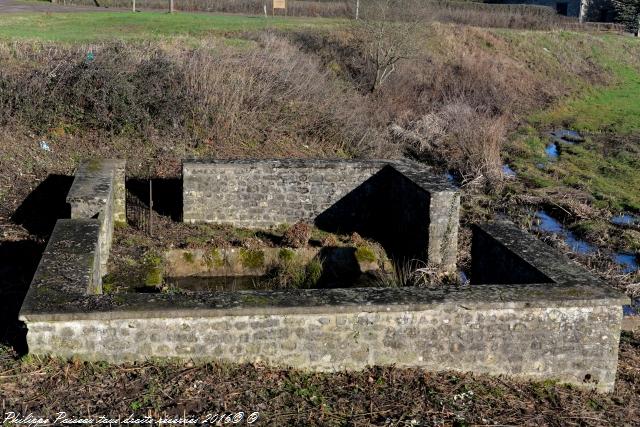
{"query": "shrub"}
{"type": "Point", "coordinates": [365, 254]}
{"type": "Point", "coordinates": [297, 236]}
{"type": "Point", "coordinates": [466, 139]}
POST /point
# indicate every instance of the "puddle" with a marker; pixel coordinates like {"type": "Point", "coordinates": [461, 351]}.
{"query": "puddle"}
{"type": "Point", "coordinates": [548, 224]}
{"type": "Point", "coordinates": [633, 309]}
{"type": "Point", "coordinates": [244, 283]}
{"type": "Point", "coordinates": [463, 278]}
{"type": "Point", "coordinates": [552, 150]}
{"type": "Point", "coordinates": [625, 219]}
{"type": "Point", "coordinates": [217, 283]}
{"type": "Point", "coordinates": [567, 135]}
{"type": "Point", "coordinates": [628, 261]}
{"type": "Point", "coordinates": [507, 171]}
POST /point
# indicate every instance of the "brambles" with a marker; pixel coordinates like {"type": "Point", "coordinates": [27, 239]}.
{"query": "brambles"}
{"type": "Point", "coordinates": [297, 236]}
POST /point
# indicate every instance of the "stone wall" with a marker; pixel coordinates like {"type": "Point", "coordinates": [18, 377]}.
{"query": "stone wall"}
{"type": "Point", "coordinates": [565, 326]}
{"type": "Point", "coordinates": [573, 344]}
{"type": "Point", "coordinates": [98, 191]}
{"type": "Point", "coordinates": [70, 264]}
{"type": "Point", "coordinates": [410, 211]}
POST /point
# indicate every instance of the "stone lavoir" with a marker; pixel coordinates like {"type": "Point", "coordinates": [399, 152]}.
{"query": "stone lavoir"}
{"type": "Point", "coordinates": [529, 311]}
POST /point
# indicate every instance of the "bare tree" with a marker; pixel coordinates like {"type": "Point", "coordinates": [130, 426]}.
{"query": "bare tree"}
{"type": "Point", "coordinates": [387, 35]}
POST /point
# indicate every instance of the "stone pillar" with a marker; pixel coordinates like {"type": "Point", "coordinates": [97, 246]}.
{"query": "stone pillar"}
{"type": "Point", "coordinates": [98, 192]}
{"type": "Point", "coordinates": [444, 212]}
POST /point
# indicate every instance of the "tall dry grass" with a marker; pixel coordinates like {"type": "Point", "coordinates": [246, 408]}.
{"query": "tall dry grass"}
{"type": "Point", "coordinates": [212, 99]}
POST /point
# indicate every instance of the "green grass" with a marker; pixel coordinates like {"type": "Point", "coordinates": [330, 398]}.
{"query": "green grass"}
{"type": "Point", "coordinates": [612, 177]}
{"type": "Point", "coordinates": [609, 108]}
{"type": "Point", "coordinates": [608, 168]}
{"type": "Point", "coordinates": [95, 26]}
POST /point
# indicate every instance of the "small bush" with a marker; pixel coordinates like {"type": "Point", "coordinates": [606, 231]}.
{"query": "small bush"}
{"type": "Point", "coordinates": [297, 236]}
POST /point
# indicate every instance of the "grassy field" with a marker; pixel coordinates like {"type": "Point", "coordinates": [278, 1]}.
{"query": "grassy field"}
{"type": "Point", "coordinates": [607, 165]}
{"type": "Point", "coordinates": [87, 27]}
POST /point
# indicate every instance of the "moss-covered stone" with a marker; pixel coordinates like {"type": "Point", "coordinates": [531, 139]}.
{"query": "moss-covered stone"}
{"type": "Point", "coordinates": [188, 257]}
{"type": "Point", "coordinates": [252, 258]}
{"type": "Point", "coordinates": [214, 258]}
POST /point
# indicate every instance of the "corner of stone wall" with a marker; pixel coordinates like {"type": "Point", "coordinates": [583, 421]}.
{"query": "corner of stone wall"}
{"type": "Point", "coordinates": [119, 193]}
{"type": "Point", "coordinates": [444, 217]}
{"type": "Point", "coordinates": [98, 191]}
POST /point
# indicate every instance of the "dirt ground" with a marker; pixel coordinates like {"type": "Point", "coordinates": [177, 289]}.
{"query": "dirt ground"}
{"type": "Point", "coordinates": [377, 396]}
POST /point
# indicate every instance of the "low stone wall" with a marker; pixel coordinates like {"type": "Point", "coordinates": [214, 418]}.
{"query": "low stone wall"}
{"type": "Point", "coordinates": [70, 264]}
{"type": "Point", "coordinates": [566, 329]}
{"type": "Point", "coordinates": [410, 211]}
{"type": "Point", "coordinates": [98, 191]}
{"type": "Point", "coordinates": [575, 344]}
{"type": "Point", "coordinates": [535, 315]}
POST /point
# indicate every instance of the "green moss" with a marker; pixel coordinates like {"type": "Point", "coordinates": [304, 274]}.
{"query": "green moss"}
{"type": "Point", "coordinates": [214, 258]}
{"type": "Point", "coordinates": [252, 258]}
{"type": "Point", "coordinates": [286, 255]}
{"type": "Point", "coordinates": [365, 254]}
{"type": "Point", "coordinates": [188, 257]}
{"type": "Point", "coordinates": [153, 277]}
{"type": "Point", "coordinates": [152, 259]}
{"type": "Point", "coordinates": [153, 270]}
{"type": "Point", "coordinates": [108, 285]}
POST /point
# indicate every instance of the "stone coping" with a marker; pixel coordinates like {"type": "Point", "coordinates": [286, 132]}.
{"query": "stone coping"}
{"type": "Point", "coordinates": [68, 262]}
{"type": "Point", "coordinates": [536, 253]}
{"type": "Point", "coordinates": [572, 286]}
{"type": "Point", "coordinates": [421, 175]}
{"type": "Point", "coordinates": [307, 301]}
{"type": "Point", "coordinates": [93, 182]}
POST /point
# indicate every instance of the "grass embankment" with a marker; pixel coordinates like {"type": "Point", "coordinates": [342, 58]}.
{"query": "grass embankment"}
{"type": "Point", "coordinates": [97, 26]}
{"type": "Point", "coordinates": [607, 165]}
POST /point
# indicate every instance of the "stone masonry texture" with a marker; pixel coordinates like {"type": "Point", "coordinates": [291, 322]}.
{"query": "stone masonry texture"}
{"type": "Point", "coordinates": [410, 211]}
{"type": "Point", "coordinates": [533, 314]}
{"type": "Point", "coordinates": [574, 344]}
{"type": "Point", "coordinates": [98, 191]}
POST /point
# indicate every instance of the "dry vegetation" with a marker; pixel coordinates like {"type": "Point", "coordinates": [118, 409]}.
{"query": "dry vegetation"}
{"type": "Point", "coordinates": [450, 102]}
{"type": "Point", "coordinates": [377, 396]}
{"type": "Point", "coordinates": [451, 98]}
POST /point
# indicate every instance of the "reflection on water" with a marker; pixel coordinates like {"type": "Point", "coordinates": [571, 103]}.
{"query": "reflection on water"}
{"type": "Point", "coordinates": [628, 261]}
{"type": "Point", "coordinates": [552, 150]}
{"type": "Point", "coordinates": [633, 309]}
{"type": "Point", "coordinates": [548, 224]}
{"type": "Point", "coordinates": [626, 219]}
{"type": "Point", "coordinates": [217, 283]}
{"type": "Point", "coordinates": [507, 171]}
